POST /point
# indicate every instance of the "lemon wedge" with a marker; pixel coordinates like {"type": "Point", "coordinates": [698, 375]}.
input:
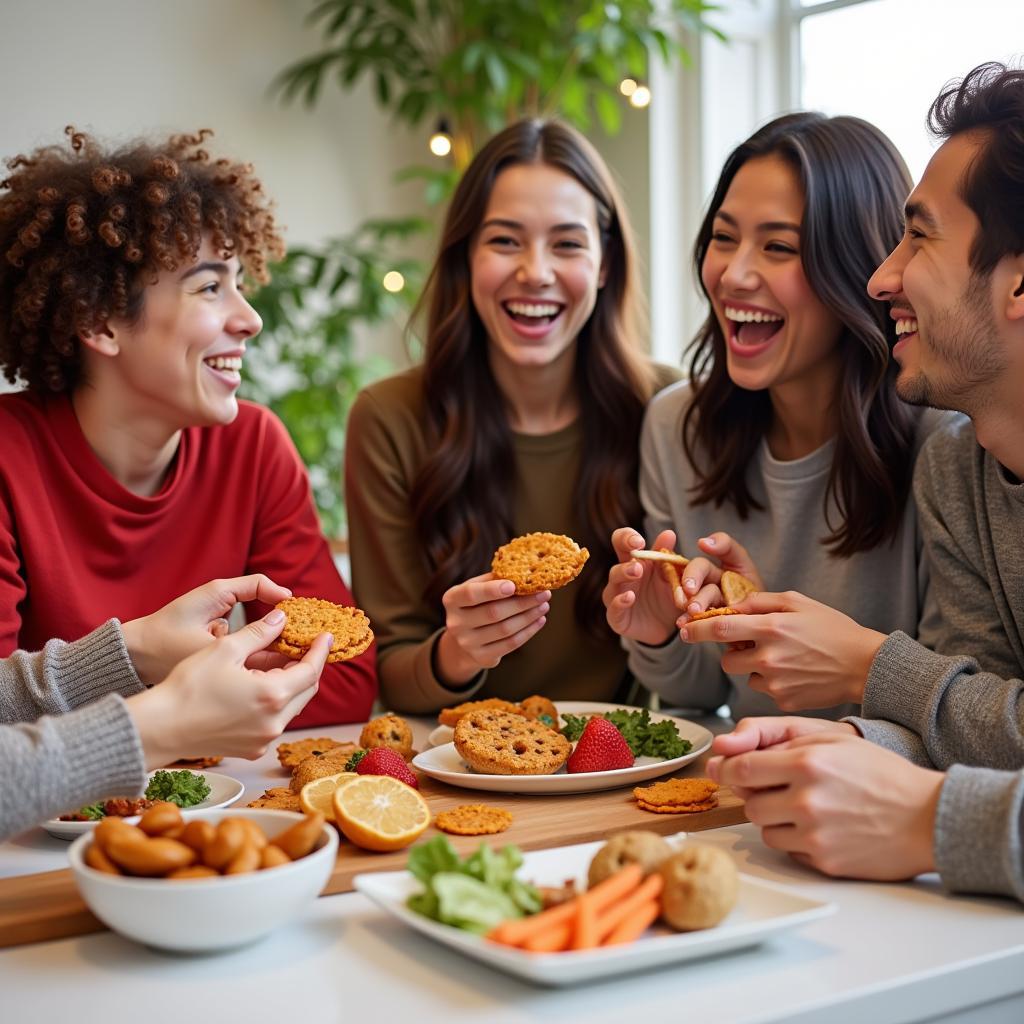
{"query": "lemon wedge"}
{"type": "Point", "coordinates": [318, 795]}
{"type": "Point", "coordinates": [378, 812]}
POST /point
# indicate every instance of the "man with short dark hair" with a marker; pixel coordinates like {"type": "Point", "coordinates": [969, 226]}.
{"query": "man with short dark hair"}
{"type": "Point", "coordinates": [955, 285]}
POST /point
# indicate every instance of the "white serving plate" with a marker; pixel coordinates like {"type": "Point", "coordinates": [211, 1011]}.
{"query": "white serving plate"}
{"type": "Point", "coordinates": [444, 763]}
{"type": "Point", "coordinates": [224, 791]}
{"type": "Point", "coordinates": [763, 911]}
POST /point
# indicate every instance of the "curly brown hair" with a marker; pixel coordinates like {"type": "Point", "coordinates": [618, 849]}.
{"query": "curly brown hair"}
{"type": "Point", "coordinates": [84, 230]}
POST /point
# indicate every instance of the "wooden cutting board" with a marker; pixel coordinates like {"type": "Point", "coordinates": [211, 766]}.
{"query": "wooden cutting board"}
{"type": "Point", "coordinates": [38, 908]}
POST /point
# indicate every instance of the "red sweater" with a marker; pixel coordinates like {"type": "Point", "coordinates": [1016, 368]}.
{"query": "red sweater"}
{"type": "Point", "coordinates": [77, 548]}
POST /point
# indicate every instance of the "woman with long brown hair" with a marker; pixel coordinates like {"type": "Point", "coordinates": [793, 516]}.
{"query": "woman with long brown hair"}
{"type": "Point", "coordinates": [788, 434]}
{"type": "Point", "coordinates": [524, 416]}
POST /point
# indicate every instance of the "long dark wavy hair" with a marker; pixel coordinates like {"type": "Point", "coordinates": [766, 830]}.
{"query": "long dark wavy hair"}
{"type": "Point", "coordinates": [854, 183]}
{"type": "Point", "coordinates": [460, 500]}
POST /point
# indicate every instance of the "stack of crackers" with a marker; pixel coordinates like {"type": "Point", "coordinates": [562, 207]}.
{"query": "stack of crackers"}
{"type": "Point", "coordinates": [678, 796]}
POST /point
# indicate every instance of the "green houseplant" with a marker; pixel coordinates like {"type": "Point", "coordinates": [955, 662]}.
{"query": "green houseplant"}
{"type": "Point", "coordinates": [467, 67]}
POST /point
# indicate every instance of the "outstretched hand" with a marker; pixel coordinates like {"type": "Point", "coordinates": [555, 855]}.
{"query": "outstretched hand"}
{"type": "Point", "coordinates": [157, 642]}
{"type": "Point", "coordinates": [638, 601]}
{"type": "Point", "coordinates": [837, 803]}
{"type": "Point", "coordinates": [800, 652]}
{"type": "Point", "coordinates": [214, 703]}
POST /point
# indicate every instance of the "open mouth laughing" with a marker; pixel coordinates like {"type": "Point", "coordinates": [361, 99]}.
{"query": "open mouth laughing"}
{"type": "Point", "coordinates": [752, 328]}
{"type": "Point", "coordinates": [533, 314]}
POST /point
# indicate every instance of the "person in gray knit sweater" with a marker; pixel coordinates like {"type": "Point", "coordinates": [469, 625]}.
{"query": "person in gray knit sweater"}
{"type": "Point", "coordinates": [84, 720]}
{"type": "Point", "coordinates": [947, 793]}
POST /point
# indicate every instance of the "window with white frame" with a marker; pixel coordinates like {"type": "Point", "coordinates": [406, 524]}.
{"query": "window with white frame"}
{"type": "Point", "coordinates": [886, 60]}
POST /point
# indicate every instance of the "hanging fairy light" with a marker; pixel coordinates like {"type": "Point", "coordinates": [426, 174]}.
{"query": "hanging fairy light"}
{"type": "Point", "coordinates": [441, 141]}
{"type": "Point", "coordinates": [627, 86]}
{"type": "Point", "coordinates": [640, 97]}
{"type": "Point", "coordinates": [393, 281]}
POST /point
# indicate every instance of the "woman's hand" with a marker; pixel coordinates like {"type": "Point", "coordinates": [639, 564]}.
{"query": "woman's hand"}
{"type": "Point", "coordinates": [800, 652]}
{"type": "Point", "coordinates": [701, 578]}
{"type": "Point", "coordinates": [484, 621]}
{"type": "Point", "coordinates": [839, 804]}
{"type": "Point", "coordinates": [157, 642]}
{"type": "Point", "coordinates": [212, 703]}
{"type": "Point", "coordinates": [638, 601]}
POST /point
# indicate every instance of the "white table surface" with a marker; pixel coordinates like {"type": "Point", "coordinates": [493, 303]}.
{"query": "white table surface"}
{"type": "Point", "coordinates": [891, 953]}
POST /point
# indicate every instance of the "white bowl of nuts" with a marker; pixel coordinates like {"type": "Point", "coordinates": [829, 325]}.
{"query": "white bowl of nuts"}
{"type": "Point", "coordinates": [223, 879]}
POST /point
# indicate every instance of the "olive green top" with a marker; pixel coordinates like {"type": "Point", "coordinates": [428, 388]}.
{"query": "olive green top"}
{"type": "Point", "coordinates": [385, 448]}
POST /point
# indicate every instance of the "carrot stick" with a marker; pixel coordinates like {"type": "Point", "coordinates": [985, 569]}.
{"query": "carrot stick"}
{"type": "Point", "coordinates": [634, 926]}
{"type": "Point", "coordinates": [584, 934]}
{"type": "Point", "coordinates": [554, 940]}
{"type": "Point", "coordinates": [650, 889]}
{"type": "Point", "coordinates": [516, 932]}
{"type": "Point", "coordinates": [597, 899]}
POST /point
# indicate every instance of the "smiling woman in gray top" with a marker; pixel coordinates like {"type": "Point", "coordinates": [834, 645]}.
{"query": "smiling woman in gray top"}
{"type": "Point", "coordinates": [787, 455]}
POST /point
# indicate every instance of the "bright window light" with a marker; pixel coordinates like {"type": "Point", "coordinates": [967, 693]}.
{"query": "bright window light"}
{"type": "Point", "coordinates": [886, 60]}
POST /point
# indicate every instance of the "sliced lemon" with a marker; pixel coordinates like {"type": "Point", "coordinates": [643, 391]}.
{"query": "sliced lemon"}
{"type": "Point", "coordinates": [378, 812]}
{"type": "Point", "coordinates": [318, 795]}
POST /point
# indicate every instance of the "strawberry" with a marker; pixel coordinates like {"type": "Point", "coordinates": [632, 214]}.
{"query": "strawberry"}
{"type": "Point", "coordinates": [601, 748]}
{"type": "Point", "coordinates": [383, 761]}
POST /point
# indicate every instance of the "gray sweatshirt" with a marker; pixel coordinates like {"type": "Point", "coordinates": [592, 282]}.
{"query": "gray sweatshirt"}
{"type": "Point", "coordinates": [883, 589]}
{"type": "Point", "coordinates": [75, 741]}
{"type": "Point", "coordinates": [961, 689]}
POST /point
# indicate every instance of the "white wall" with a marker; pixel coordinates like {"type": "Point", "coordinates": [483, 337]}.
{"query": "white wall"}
{"type": "Point", "coordinates": [122, 68]}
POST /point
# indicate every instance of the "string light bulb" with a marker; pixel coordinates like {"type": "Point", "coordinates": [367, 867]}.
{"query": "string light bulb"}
{"type": "Point", "coordinates": [441, 141]}
{"type": "Point", "coordinates": [640, 97]}
{"type": "Point", "coordinates": [627, 86]}
{"type": "Point", "coordinates": [393, 281]}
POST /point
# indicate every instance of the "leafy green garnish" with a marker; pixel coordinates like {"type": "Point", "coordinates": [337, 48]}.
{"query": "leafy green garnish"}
{"type": "Point", "coordinates": [93, 811]}
{"type": "Point", "coordinates": [644, 737]}
{"type": "Point", "coordinates": [474, 894]}
{"type": "Point", "coordinates": [184, 788]}
{"type": "Point", "coordinates": [350, 764]}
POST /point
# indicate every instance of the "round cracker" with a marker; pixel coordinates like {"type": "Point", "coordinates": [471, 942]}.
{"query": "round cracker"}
{"type": "Point", "coordinates": [474, 820]}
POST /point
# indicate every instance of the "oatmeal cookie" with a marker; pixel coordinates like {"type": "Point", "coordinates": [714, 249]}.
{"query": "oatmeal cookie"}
{"type": "Point", "coordinates": [499, 743]}
{"type": "Point", "coordinates": [388, 731]}
{"type": "Point", "coordinates": [474, 820]}
{"type": "Point", "coordinates": [451, 716]}
{"type": "Point", "coordinates": [318, 765]}
{"type": "Point", "coordinates": [292, 754]}
{"type": "Point", "coordinates": [540, 709]}
{"type": "Point", "coordinates": [539, 561]}
{"type": "Point", "coordinates": [277, 798]}
{"type": "Point", "coordinates": [308, 617]}
{"type": "Point", "coordinates": [197, 763]}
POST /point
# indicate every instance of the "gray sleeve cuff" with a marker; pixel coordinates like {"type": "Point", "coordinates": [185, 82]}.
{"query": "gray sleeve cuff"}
{"type": "Point", "coordinates": [978, 827]}
{"type": "Point", "coordinates": [63, 676]}
{"type": "Point", "coordinates": [896, 738]}
{"type": "Point", "coordinates": [904, 679]}
{"type": "Point", "coordinates": [57, 764]}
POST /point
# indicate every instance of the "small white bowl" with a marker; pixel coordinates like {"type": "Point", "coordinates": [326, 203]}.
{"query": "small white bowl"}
{"type": "Point", "coordinates": [203, 914]}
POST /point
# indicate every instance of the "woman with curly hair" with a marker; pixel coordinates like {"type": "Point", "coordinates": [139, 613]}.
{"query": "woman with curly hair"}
{"type": "Point", "coordinates": [129, 470]}
{"type": "Point", "coordinates": [524, 417]}
{"type": "Point", "coordinates": [787, 455]}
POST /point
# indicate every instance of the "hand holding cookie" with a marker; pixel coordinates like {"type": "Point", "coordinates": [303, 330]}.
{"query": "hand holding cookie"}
{"type": "Point", "coordinates": [639, 601]}
{"type": "Point", "coordinates": [213, 702]}
{"type": "Point", "coordinates": [721, 583]}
